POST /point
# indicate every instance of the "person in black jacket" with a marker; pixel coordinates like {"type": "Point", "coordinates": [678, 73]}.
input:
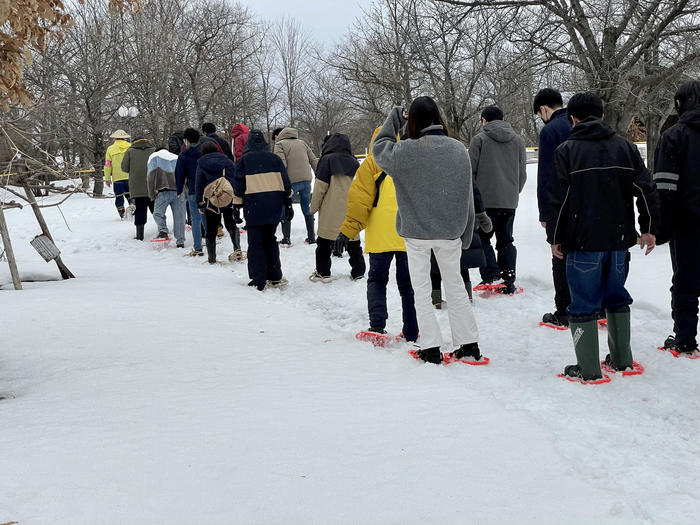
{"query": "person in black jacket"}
{"type": "Point", "coordinates": [262, 187]}
{"type": "Point", "coordinates": [209, 130]}
{"type": "Point", "coordinates": [548, 106]}
{"type": "Point", "coordinates": [677, 178]}
{"type": "Point", "coordinates": [211, 166]}
{"type": "Point", "coordinates": [590, 217]}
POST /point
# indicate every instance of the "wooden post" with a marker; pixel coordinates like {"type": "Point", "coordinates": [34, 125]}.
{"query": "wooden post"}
{"type": "Point", "coordinates": [65, 272]}
{"type": "Point", "coordinates": [7, 243]}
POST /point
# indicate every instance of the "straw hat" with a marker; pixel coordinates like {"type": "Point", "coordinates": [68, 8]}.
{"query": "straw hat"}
{"type": "Point", "coordinates": [120, 134]}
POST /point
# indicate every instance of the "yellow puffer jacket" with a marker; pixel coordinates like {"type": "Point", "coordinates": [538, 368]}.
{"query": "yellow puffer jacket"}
{"type": "Point", "coordinates": [113, 161]}
{"type": "Point", "coordinates": [379, 221]}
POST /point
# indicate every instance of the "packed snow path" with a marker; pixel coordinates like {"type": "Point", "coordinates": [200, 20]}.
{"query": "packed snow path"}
{"type": "Point", "coordinates": [157, 389]}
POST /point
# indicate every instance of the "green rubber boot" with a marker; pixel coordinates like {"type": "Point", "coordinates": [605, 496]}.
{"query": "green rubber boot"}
{"type": "Point", "coordinates": [619, 340]}
{"type": "Point", "coordinates": [585, 336]}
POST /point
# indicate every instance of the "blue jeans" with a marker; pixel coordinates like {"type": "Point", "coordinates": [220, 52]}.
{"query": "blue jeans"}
{"type": "Point", "coordinates": [198, 221]}
{"type": "Point", "coordinates": [167, 198]}
{"type": "Point", "coordinates": [596, 282]}
{"type": "Point", "coordinates": [121, 190]}
{"type": "Point", "coordinates": [303, 188]}
{"type": "Point", "coordinates": [377, 279]}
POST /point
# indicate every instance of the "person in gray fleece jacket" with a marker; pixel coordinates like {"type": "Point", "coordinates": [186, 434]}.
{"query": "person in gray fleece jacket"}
{"type": "Point", "coordinates": [432, 176]}
{"type": "Point", "coordinates": [500, 171]}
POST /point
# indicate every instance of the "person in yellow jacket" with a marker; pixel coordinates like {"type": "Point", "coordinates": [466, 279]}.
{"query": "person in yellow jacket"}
{"type": "Point", "coordinates": [113, 169]}
{"type": "Point", "coordinates": [372, 207]}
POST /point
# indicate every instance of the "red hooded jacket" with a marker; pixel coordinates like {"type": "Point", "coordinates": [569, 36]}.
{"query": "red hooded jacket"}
{"type": "Point", "coordinates": [239, 132]}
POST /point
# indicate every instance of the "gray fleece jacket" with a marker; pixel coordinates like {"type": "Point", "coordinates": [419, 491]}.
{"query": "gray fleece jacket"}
{"type": "Point", "coordinates": [432, 176]}
{"type": "Point", "coordinates": [499, 164]}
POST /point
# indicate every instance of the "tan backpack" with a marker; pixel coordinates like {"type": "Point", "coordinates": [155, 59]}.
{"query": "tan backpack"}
{"type": "Point", "coordinates": [218, 194]}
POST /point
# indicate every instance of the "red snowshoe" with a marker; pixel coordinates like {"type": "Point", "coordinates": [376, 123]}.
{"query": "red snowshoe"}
{"type": "Point", "coordinates": [637, 369]}
{"type": "Point", "coordinates": [380, 339]}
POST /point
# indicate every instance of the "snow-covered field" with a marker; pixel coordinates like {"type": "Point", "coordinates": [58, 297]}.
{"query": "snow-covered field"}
{"type": "Point", "coordinates": [157, 389]}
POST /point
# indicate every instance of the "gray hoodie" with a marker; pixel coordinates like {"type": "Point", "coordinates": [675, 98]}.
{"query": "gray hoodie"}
{"type": "Point", "coordinates": [432, 176]}
{"type": "Point", "coordinates": [499, 164]}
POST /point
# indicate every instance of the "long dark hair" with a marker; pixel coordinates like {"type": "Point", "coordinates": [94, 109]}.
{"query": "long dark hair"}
{"type": "Point", "coordinates": [423, 112]}
{"type": "Point", "coordinates": [688, 96]}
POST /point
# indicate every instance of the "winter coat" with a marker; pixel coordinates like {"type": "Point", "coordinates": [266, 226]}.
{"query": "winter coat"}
{"type": "Point", "coordinates": [186, 168]}
{"type": "Point", "coordinates": [334, 174]}
{"type": "Point", "coordinates": [555, 132]}
{"type": "Point", "coordinates": [176, 142]}
{"type": "Point", "coordinates": [297, 156]}
{"type": "Point", "coordinates": [224, 146]}
{"type": "Point", "coordinates": [499, 164]}
{"type": "Point", "coordinates": [433, 180]}
{"type": "Point", "coordinates": [372, 207]}
{"type": "Point", "coordinates": [597, 174]}
{"type": "Point", "coordinates": [210, 167]}
{"type": "Point", "coordinates": [135, 163]}
{"type": "Point", "coordinates": [161, 173]}
{"type": "Point", "coordinates": [239, 133]}
{"type": "Point", "coordinates": [113, 161]}
{"type": "Point", "coordinates": [677, 175]}
{"type": "Point", "coordinates": [261, 183]}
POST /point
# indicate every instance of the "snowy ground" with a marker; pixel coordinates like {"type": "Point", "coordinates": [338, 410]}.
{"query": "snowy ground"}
{"type": "Point", "coordinates": [155, 389]}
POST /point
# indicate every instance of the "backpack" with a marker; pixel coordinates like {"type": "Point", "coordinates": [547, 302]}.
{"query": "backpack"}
{"type": "Point", "coordinates": [218, 194]}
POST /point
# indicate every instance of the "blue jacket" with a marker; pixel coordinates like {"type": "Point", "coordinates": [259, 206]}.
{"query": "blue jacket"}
{"type": "Point", "coordinates": [261, 183]}
{"type": "Point", "coordinates": [556, 132]}
{"type": "Point", "coordinates": [186, 168]}
{"type": "Point", "coordinates": [209, 168]}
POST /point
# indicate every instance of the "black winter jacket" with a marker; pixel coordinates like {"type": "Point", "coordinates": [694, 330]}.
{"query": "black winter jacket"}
{"type": "Point", "coordinates": [554, 133]}
{"type": "Point", "coordinates": [677, 175]}
{"type": "Point", "coordinates": [597, 174]}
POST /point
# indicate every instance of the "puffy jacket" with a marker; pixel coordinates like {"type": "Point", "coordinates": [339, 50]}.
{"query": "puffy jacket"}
{"type": "Point", "coordinates": [161, 172]}
{"type": "Point", "coordinates": [261, 183]}
{"type": "Point", "coordinates": [334, 175]}
{"type": "Point", "coordinates": [113, 161]}
{"type": "Point", "coordinates": [677, 175]}
{"type": "Point", "coordinates": [297, 156]}
{"type": "Point", "coordinates": [135, 163]}
{"type": "Point", "coordinates": [209, 168]}
{"type": "Point", "coordinates": [554, 133]}
{"type": "Point", "coordinates": [597, 174]}
{"type": "Point", "coordinates": [379, 221]}
{"type": "Point", "coordinates": [499, 164]}
{"type": "Point", "coordinates": [239, 133]}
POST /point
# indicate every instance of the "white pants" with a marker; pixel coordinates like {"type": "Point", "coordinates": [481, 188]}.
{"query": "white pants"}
{"type": "Point", "coordinates": [462, 321]}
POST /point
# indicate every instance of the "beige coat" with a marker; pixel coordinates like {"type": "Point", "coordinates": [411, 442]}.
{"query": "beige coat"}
{"type": "Point", "coordinates": [296, 155]}
{"type": "Point", "coordinates": [331, 203]}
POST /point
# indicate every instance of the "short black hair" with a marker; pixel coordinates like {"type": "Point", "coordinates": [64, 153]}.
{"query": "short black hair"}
{"type": "Point", "coordinates": [584, 105]}
{"type": "Point", "coordinates": [191, 135]}
{"type": "Point", "coordinates": [547, 97]}
{"type": "Point", "coordinates": [209, 147]}
{"type": "Point", "coordinates": [208, 127]}
{"type": "Point", "coordinates": [687, 97]}
{"type": "Point", "coordinates": [276, 132]}
{"type": "Point", "coordinates": [492, 113]}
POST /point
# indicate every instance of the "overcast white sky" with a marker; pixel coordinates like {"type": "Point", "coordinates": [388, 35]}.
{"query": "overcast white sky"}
{"type": "Point", "coordinates": [325, 20]}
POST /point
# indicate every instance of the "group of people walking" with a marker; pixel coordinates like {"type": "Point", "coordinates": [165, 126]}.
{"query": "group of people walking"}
{"type": "Point", "coordinates": [432, 206]}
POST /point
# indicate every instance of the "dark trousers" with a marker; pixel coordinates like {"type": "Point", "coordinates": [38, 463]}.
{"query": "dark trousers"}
{"type": "Point", "coordinates": [121, 192]}
{"type": "Point", "coordinates": [562, 297]}
{"type": "Point", "coordinates": [685, 288]}
{"type": "Point", "coordinates": [504, 265]}
{"type": "Point", "coordinates": [377, 279]}
{"type": "Point", "coordinates": [436, 278]}
{"type": "Point", "coordinates": [263, 255]}
{"type": "Point", "coordinates": [142, 204]}
{"type": "Point", "coordinates": [597, 282]}
{"type": "Point", "coordinates": [324, 248]}
{"type": "Point", "coordinates": [214, 219]}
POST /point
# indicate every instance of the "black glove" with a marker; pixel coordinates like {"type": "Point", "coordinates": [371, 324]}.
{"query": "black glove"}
{"type": "Point", "coordinates": [483, 222]}
{"type": "Point", "coordinates": [341, 243]}
{"type": "Point", "coordinates": [288, 213]}
{"type": "Point", "coordinates": [237, 214]}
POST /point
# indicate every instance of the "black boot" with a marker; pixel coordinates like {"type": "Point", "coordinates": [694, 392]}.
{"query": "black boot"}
{"type": "Point", "coordinates": [430, 355]}
{"type": "Point", "coordinates": [235, 239]}
{"type": "Point", "coordinates": [211, 250]}
{"type": "Point", "coordinates": [310, 235]}
{"type": "Point", "coordinates": [468, 351]}
{"type": "Point", "coordinates": [286, 232]}
{"type": "Point", "coordinates": [139, 233]}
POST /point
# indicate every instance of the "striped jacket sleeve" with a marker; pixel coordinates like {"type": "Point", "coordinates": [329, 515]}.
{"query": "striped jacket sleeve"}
{"type": "Point", "coordinates": [667, 174]}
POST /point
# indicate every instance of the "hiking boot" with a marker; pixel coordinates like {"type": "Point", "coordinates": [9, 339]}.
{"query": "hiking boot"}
{"type": "Point", "coordinates": [237, 255]}
{"type": "Point", "coordinates": [277, 284]}
{"type": "Point", "coordinates": [430, 355]}
{"type": "Point", "coordinates": [162, 235]}
{"type": "Point", "coordinates": [285, 242]}
{"type": "Point", "coordinates": [220, 231]}
{"type": "Point", "coordinates": [180, 245]}
{"type": "Point", "coordinates": [196, 253]}
{"type": "Point", "coordinates": [609, 363]}
{"type": "Point", "coordinates": [672, 344]}
{"type": "Point", "coordinates": [316, 277]}
{"type": "Point", "coordinates": [260, 287]}
{"type": "Point", "coordinates": [508, 288]}
{"type": "Point", "coordinates": [556, 319]}
{"type": "Point", "coordinates": [468, 351]}
{"type": "Point", "coordinates": [376, 330]}
{"type": "Point", "coordinates": [357, 277]}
